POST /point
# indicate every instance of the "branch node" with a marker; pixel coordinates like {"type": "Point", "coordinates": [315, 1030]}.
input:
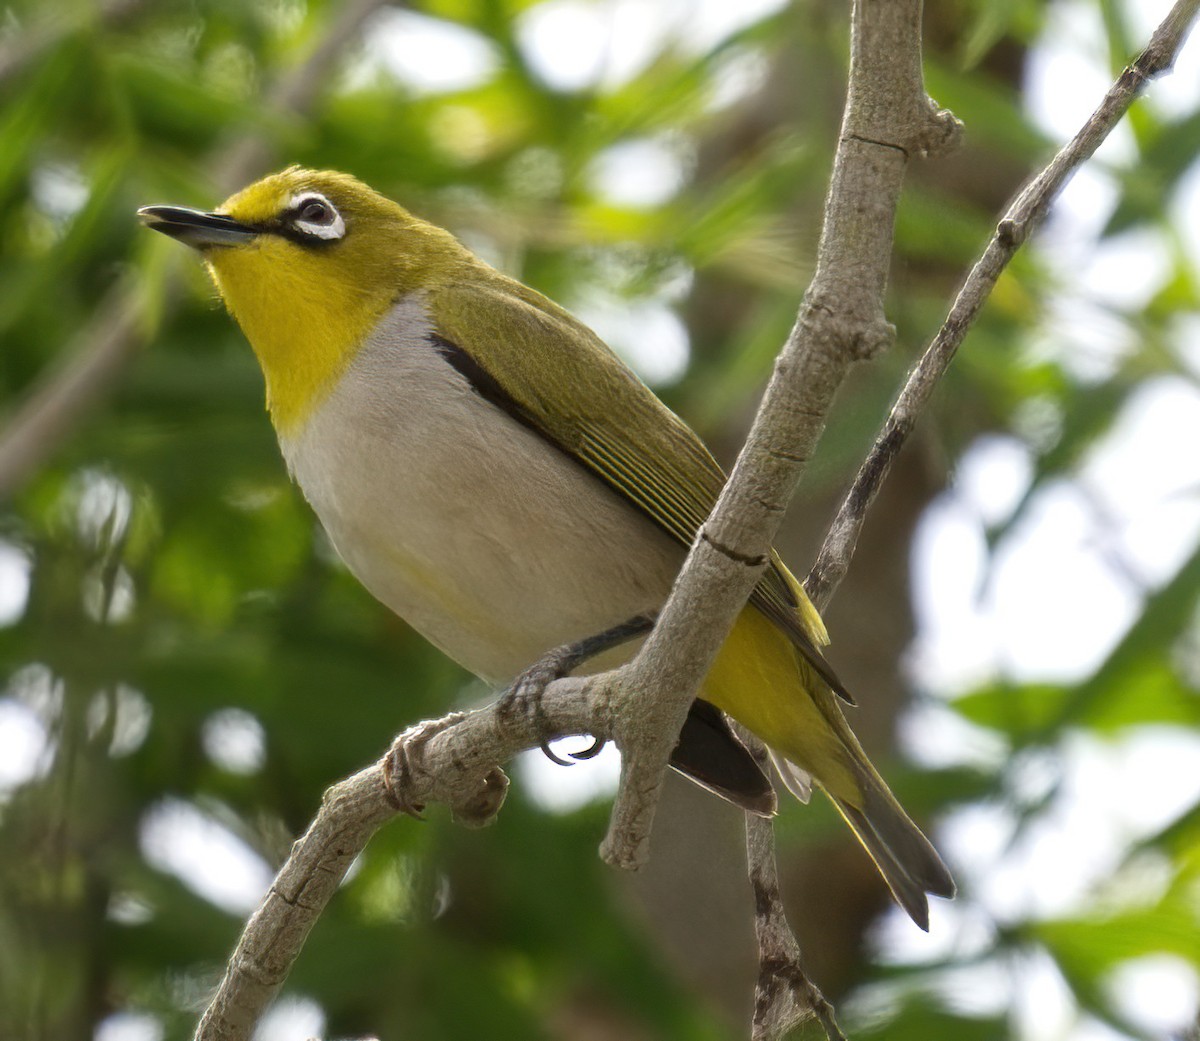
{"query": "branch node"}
{"type": "Point", "coordinates": [770, 506]}
{"type": "Point", "coordinates": [784, 996]}
{"type": "Point", "coordinates": [787, 456]}
{"type": "Point", "coordinates": [480, 809]}
{"type": "Point", "coordinates": [838, 329]}
{"type": "Point", "coordinates": [473, 795]}
{"type": "Point", "coordinates": [863, 139]}
{"type": "Point", "coordinates": [870, 340]}
{"type": "Point", "coordinates": [942, 131]}
{"type": "Point", "coordinates": [1010, 232]}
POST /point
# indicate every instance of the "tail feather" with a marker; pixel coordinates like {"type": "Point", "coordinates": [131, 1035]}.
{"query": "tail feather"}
{"type": "Point", "coordinates": [711, 755]}
{"type": "Point", "coordinates": [798, 782]}
{"type": "Point", "coordinates": [761, 680]}
{"type": "Point", "coordinates": [908, 893]}
{"type": "Point", "coordinates": [904, 856]}
{"type": "Point", "coordinates": [907, 842]}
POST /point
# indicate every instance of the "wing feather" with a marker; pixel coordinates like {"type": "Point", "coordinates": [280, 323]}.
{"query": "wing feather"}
{"type": "Point", "coordinates": [613, 424]}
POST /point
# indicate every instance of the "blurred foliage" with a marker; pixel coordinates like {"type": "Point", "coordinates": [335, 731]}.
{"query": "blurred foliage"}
{"type": "Point", "coordinates": [159, 570]}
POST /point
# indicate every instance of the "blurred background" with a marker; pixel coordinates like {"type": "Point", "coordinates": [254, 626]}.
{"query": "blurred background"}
{"type": "Point", "coordinates": [185, 666]}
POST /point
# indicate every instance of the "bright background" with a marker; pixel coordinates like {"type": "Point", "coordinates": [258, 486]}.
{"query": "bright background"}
{"type": "Point", "coordinates": [186, 665]}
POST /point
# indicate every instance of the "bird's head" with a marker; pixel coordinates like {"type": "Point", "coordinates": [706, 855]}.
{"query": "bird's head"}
{"type": "Point", "coordinates": [308, 261]}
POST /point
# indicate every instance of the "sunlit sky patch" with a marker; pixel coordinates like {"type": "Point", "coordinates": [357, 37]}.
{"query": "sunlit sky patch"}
{"type": "Point", "coordinates": [129, 1026]}
{"type": "Point", "coordinates": [291, 1017]}
{"type": "Point", "coordinates": [582, 44]}
{"type": "Point", "coordinates": [234, 740]}
{"type": "Point", "coordinates": [562, 789]}
{"type": "Point", "coordinates": [639, 173]}
{"type": "Point", "coordinates": [180, 839]}
{"type": "Point", "coordinates": [647, 333]}
{"type": "Point", "coordinates": [428, 54]}
{"type": "Point", "coordinates": [14, 582]}
{"type": "Point", "coordinates": [58, 190]}
{"type": "Point", "coordinates": [124, 714]}
{"type": "Point", "coordinates": [1158, 992]}
{"type": "Point", "coordinates": [24, 744]}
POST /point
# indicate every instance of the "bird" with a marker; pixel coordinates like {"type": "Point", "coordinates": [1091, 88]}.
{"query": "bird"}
{"type": "Point", "coordinates": [494, 474]}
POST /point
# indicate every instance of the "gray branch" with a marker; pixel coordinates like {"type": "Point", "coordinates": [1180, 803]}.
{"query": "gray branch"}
{"type": "Point", "coordinates": [453, 761]}
{"type": "Point", "coordinates": [784, 996]}
{"type": "Point", "coordinates": [65, 397]}
{"type": "Point", "coordinates": [1026, 212]}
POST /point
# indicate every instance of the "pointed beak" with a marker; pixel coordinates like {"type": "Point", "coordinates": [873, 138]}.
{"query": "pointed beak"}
{"type": "Point", "coordinates": [195, 228]}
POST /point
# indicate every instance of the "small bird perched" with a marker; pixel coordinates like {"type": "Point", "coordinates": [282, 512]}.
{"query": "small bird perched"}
{"type": "Point", "coordinates": [494, 474]}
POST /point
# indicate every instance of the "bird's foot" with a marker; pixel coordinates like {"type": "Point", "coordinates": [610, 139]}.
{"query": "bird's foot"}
{"type": "Point", "coordinates": [527, 690]}
{"type": "Point", "coordinates": [524, 696]}
{"type": "Point", "coordinates": [402, 757]}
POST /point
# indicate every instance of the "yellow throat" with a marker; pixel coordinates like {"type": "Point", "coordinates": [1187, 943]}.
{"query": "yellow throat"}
{"type": "Point", "coordinates": [306, 303]}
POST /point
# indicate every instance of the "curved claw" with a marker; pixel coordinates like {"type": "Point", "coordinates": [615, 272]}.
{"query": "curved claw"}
{"type": "Point", "coordinates": [592, 750]}
{"type": "Point", "coordinates": [544, 745]}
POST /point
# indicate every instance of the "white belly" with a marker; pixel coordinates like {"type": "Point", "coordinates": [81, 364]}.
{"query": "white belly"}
{"type": "Point", "coordinates": [489, 541]}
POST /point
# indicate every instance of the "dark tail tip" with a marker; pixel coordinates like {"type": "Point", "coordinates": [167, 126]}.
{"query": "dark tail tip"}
{"type": "Point", "coordinates": [904, 856]}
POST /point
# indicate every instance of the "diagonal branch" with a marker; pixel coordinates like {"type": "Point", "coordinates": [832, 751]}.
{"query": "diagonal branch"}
{"type": "Point", "coordinates": [1025, 214]}
{"type": "Point", "coordinates": [784, 995]}
{"type": "Point", "coordinates": [63, 399]}
{"type": "Point", "coordinates": [454, 760]}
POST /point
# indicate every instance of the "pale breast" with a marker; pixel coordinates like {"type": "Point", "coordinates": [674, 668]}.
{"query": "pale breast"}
{"type": "Point", "coordinates": [486, 538]}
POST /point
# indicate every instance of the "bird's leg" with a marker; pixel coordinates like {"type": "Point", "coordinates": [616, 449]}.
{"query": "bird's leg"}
{"type": "Point", "coordinates": [525, 693]}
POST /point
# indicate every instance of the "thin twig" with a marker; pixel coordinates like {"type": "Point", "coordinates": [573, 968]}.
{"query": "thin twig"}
{"type": "Point", "coordinates": [1027, 211]}
{"type": "Point", "coordinates": [784, 996]}
{"type": "Point", "coordinates": [66, 395]}
{"type": "Point", "coordinates": [351, 812]}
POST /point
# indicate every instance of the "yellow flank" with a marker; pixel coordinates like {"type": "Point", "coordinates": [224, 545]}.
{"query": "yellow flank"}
{"type": "Point", "coordinates": [759, 679]}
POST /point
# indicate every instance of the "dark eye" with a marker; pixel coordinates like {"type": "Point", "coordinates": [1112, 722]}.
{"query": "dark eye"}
{"type": "Point", "coordinates": [313, 218]}
{"type": "Point", "coordinates": [315, 211]}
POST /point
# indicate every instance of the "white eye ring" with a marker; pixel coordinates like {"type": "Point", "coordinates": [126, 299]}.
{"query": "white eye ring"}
{"type": "Point", "coordinates": [329, 229]}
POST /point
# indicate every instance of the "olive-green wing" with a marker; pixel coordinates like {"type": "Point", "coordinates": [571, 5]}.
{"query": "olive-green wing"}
{"type": "Point", "coordinates": [520, 350]}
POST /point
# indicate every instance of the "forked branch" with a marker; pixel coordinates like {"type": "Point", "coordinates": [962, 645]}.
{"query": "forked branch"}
{"type": "Point", "coordinates": [1025, 214]}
